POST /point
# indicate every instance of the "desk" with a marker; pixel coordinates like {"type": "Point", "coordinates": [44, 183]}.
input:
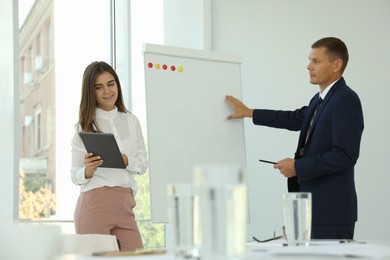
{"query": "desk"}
{"type": "Point", "coordinates": [319, 249]}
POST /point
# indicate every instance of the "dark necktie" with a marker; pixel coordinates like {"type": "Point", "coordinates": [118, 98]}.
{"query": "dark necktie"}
{"type": "Point", "coordinates": [318, 104]}
{"type": "Point", "coordinates": [306, 132]}
{"type": "Point", "coordinates": [292, 183]}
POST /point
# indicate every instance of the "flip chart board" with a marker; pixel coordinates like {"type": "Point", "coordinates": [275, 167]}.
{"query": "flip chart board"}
{"type": "Point", "coordinates": [186, 116]}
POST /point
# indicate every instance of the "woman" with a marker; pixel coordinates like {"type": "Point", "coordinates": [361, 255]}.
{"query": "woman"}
{"type": "Point", "coordinates": [106, 201]}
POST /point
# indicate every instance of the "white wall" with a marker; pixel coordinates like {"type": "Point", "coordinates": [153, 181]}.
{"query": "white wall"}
{"type": "Point", "coordinates": [274, 38]}
{"type": "Point", "coordinates": [187, 23]}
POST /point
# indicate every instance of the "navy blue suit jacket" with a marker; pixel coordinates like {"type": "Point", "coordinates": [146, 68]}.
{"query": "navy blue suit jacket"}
{"type": "Point", "coordinates": [326, 167]}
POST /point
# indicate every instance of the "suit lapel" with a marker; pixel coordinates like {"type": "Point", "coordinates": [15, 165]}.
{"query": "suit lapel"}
{"type": "Point", "coordinates": [306, 122]}
{"type": "Point", "coordinates": [335, 87]}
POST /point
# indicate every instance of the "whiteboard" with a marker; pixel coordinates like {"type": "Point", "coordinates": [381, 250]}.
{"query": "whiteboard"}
{"type": "Point", "coordinates": [186, 116]}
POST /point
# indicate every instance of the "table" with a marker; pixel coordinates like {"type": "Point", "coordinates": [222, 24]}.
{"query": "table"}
{"type": "Point", "coordinates": [318, 249]}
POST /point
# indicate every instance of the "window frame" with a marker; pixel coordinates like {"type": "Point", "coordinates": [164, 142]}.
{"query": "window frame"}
{"type": "Point", "coordinates": [9, 154]}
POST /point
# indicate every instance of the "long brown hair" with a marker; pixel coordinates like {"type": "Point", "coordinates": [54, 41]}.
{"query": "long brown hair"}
{"type": "Point", "coordinates": [88, 97]}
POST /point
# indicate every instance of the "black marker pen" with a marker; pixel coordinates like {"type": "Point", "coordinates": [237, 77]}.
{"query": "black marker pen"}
{"type": "Point", "coordinates": [265, 161]}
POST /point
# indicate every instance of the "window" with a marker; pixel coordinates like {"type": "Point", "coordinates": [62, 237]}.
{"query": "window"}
{"type": "Point", "coordinates": [55, 48]}
{"type": "Point", "coordinates": [37, 130]}
{"type": "Point", "coordinates": [146, 26]}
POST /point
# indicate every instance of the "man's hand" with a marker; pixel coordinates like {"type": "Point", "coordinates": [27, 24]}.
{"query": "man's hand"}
{"type": "Point", "coordinates": [286, 167]}
{"type": "Point", "coordinates": [240, 110]}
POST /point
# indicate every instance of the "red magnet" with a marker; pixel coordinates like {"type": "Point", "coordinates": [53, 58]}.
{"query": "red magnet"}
{"type": "Point", "coordinates": [164, 67]}
{"type": "Point", "coordinates": [173, 68]}
{"type": "Point", "coordinates": [150, 65]}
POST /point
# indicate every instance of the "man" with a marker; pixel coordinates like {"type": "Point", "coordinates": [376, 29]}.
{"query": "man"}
{"type": "Point", "coordinates": [329, 141]}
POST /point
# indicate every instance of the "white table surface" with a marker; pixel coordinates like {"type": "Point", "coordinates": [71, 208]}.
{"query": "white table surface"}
{"type": "Point", "coordinates": [319, 249]}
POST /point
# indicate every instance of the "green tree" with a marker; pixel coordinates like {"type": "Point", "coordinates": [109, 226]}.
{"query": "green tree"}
{"type": "Point", "coordinates": [36, 202]}
{"type": "Point", "coordinates": [153, 235]}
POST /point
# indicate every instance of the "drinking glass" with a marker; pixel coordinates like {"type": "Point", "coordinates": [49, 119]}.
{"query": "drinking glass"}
{"type": "Point", "coordinates": [183, 219]}
{"type": "Point", "coordinates": [297, 218]}
{"type": "Point", "coordinates": [222, 194]}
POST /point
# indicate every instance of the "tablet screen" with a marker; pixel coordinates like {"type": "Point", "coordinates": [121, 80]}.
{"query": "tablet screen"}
{"type": "Point", "coordinates": [105, 145]}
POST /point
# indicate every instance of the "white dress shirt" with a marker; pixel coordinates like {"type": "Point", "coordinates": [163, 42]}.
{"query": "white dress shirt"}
{"type": "Point", "coordinates": [127, 131]}
{"type": "Point", "coordinates": [326, 90]}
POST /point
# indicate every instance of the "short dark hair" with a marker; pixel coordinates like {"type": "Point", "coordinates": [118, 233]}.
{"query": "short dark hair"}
{"type": "Point", "coordinates": [335, 48]}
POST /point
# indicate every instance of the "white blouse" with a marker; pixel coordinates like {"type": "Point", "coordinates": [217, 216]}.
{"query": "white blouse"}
{"type": "Point", "coordinates": [127, 131]}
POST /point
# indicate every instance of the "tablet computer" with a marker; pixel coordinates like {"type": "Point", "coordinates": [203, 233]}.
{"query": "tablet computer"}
{"type": "Point", "coordinates": [105, 145]}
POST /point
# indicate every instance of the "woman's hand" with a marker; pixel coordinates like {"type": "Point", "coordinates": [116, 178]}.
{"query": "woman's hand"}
{"type": "Point", "coordinates": [125, 159]}
{"type": "Point", "coordinates": [91, 162]}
